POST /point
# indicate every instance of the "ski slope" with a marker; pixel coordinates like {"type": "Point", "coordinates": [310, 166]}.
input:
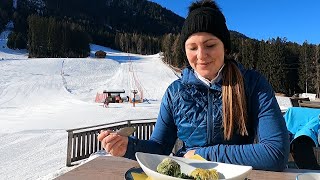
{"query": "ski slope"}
{"type": "Point", "coordinates": [41, 98]}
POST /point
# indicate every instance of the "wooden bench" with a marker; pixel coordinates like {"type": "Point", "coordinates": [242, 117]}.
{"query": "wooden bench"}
{"type": "Point", "coordinates": [296, 101]}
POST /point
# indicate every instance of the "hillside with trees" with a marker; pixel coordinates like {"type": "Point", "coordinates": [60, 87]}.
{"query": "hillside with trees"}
{"type": "Point", "coordinates": [59, 28]}
{"type": "Point", "coordinates": [5, 13]}
{"type": "Point", "coordinates": [128, 25]}
{"type": "Point", "coordinates": [290, 68]}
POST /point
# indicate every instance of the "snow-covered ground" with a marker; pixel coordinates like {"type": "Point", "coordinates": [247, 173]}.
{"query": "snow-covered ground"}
{"type": "Point", "coordinates": [41, 98]}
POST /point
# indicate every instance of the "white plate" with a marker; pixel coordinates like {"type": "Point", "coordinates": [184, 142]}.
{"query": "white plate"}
{"type": "Point", "coordinates": [308, 176]}
{"type": "Point", "coordinates": [149, 162]}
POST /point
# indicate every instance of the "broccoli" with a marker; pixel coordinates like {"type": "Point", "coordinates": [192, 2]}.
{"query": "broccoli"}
{"type": "Point", "coordinates": [169, 167]}
{"type": "Point", "coordinates": [205, 174]}
{"type": "Point", "coordinates": [172, 168]}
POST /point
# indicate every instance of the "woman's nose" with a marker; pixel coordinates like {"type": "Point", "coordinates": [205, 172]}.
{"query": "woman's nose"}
{"type": "Point", "coordinates": [201, 53]}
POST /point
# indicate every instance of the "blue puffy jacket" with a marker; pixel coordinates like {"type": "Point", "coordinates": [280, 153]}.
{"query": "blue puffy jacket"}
{"type": "Point", "coordinates": [192, 112]}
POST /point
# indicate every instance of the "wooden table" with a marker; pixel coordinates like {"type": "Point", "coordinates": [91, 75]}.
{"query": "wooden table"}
{"type": "Point", "coordinates": [114, 168]}
{"type": "Point", "coordinates": [310, 104]}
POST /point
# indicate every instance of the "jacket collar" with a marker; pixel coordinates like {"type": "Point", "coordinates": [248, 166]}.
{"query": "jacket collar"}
{"type": "Point", "coordinates": [188, 77]}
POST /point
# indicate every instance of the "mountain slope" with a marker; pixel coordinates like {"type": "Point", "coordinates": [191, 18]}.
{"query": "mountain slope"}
{"type": "Point", "coordinates": [131, 16]}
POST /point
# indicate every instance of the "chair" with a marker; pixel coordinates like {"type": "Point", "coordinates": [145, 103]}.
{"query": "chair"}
{"type": "Point", "coordinates": [304, 154]}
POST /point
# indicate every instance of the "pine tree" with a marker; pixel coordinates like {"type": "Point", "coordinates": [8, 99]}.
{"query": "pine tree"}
{"type": "Point", "coordinates": [304, 70]}
{"type": "Point", "coordinates": [317, 66]}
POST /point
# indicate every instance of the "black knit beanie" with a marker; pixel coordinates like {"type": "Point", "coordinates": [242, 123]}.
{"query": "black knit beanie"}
{"type": "Point", "coordinates": [206, 19]}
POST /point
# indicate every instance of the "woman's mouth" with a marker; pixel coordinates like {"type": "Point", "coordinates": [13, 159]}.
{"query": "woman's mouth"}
{"type": "Point", "coordinates": [204, 63]}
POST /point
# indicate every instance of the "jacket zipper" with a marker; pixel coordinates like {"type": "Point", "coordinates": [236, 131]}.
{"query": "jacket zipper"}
{"type": "Point", "coordinates": [209, 119]}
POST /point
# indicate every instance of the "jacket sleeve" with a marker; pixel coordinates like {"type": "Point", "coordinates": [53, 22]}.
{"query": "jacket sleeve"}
{"type": "Point", "coordinates": [272, 150]}
{"type": "Point", "coordinates": [163, 136]}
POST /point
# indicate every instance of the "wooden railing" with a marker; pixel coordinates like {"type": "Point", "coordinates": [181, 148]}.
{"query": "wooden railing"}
{"type": "Point", "coordinates": [82, 142]}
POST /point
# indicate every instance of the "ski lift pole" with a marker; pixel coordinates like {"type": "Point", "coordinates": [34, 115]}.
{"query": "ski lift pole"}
{"type": "Point", "coordinates": [134, 97]}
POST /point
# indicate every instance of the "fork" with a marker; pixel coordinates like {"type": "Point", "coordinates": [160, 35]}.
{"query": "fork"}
{"type": "Point", "coordinates": [126, 131]}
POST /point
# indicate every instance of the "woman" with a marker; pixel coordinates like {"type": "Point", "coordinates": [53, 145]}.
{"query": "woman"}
{"type": "Point", "coordinates": [217, 108]}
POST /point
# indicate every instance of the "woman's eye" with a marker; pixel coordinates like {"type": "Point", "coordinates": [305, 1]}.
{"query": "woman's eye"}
{"type": "Point", "coordinates": [210, 45]}
{"type": "Point", "coordinates": [192, 48]}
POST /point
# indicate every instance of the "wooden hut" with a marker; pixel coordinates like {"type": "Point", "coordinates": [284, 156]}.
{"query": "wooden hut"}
{"type": "Point", "coordinates": [100, 54]}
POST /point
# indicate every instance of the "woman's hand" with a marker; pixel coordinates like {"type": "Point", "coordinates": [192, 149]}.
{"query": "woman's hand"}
{"type": "Point", "coordinates": [113, 143]}
{"type": "Point", "coordinates": [189, 154]}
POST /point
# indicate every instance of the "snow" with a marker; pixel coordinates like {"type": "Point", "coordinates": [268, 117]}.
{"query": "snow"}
{"type": "Point", "coordinates": [41, 98]}
{"type": "Point", "coordinates": [284, 103]}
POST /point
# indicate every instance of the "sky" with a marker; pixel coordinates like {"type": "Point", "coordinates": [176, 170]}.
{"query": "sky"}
{"type": "Point", "coordinates": [298, 21]}
{"type": "Point", "coordinates": [41, 98]}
